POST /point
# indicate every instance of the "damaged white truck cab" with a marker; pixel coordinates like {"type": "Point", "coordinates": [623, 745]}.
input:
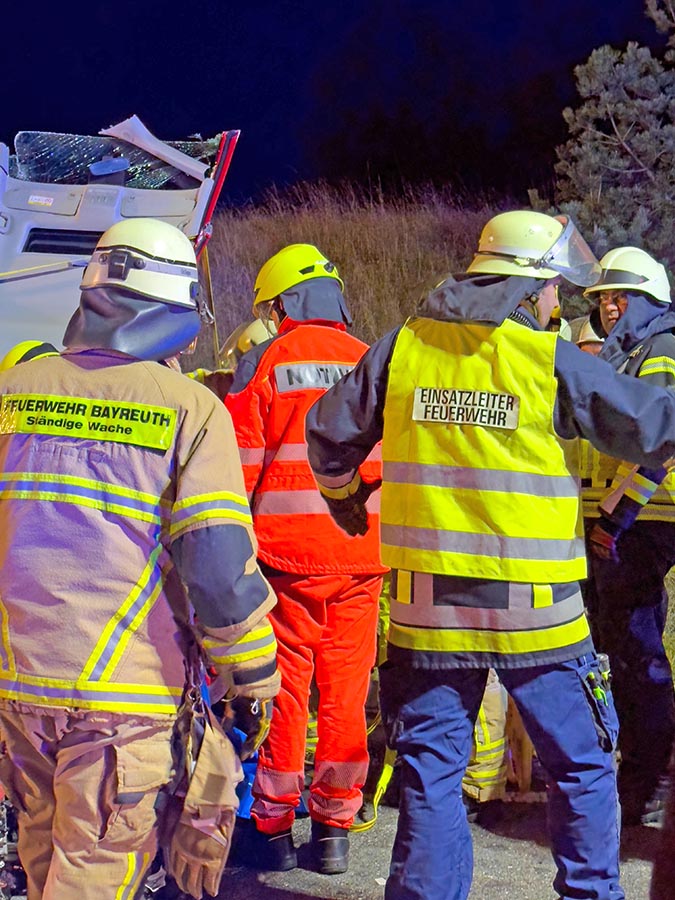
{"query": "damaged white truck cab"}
{"type": "Point", "coordinates": [60, 192]}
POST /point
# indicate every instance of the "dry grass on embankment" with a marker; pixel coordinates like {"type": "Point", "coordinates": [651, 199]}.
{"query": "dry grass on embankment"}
{"type": "Point", "coordinates": [386, 249]}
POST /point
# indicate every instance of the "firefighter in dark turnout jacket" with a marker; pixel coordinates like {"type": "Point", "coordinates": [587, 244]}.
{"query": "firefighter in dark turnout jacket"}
{"type": "Point", "coordinates": [630, 522]}
{"type": "Point", "coordinates": [475, 405]}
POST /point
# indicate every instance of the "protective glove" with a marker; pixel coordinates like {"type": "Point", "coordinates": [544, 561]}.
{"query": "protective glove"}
{"type": "Point", "coordinates": [199, 850]}
{"type": "Point", "coordinates": [253, 717]}
{"type": "Point", "coordinates": [603, 539]}
{"type": "Point", "coordinates": [350, 513]}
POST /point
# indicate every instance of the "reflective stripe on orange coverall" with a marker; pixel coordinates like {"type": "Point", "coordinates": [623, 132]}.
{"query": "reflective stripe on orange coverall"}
{"type": "Point", "coordinates": [316, 616]}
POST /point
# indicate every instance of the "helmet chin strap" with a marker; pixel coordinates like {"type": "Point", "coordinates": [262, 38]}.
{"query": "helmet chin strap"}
{"type": "Point", "coordinates": [538, 310]}
{"type": "Point", "coordinates": [530, 304]}
{"type": "Point", "coordinates": [278, 308]}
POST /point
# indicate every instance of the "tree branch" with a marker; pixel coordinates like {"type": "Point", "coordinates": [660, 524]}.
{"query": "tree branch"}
{"type": "Point", "coordinates": [629, 150]}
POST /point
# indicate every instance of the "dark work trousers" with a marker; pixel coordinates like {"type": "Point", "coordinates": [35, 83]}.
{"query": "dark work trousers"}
{"type": "Point", "coordinates": [429, 718]}
{"type": "Point", "coordinates": [663, 874]}
{"type": "Point", "coordinates": [627, 605]}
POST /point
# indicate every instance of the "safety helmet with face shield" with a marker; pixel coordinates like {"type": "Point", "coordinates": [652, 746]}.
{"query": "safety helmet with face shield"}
{"type": "Point", "coordinates": [632, 269]}
{"type": "Point", "coordinates": [535, 245]}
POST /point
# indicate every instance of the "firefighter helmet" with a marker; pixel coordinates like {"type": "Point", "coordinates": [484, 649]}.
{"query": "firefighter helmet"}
{"type": "Point", "coordinates": [25, 351]}
{"type": "Point", "coordinates": [523, 242]}
{"type": "Point", "coordinates": [147, 257]}
{"type": "Point", "coordinates": [245, 336]}
{"type": "Point", "coordinates": [292, 265]}
{"type": "Point", "coordinates": [588, 334]}
{"type": "Point", "coordinates": [632, 269]}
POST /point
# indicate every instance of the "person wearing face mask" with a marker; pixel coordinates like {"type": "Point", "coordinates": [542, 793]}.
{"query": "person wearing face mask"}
{"type": "Point", "coordinates": [630, 523]}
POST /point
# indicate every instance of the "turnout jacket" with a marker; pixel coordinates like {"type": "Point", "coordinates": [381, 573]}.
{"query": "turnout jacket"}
{"type": "Point", "coordinates": [120, 485]}
{"type": "Point", "coordinates": [642, 344]}
{"type": "Point", "coordinates": [494, 580]}
{"type": "Point", "coordinates": [275, 384]}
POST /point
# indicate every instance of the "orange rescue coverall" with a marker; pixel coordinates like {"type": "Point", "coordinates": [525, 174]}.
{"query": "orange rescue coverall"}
{"type": "Point", "coordinates": [327, 584]}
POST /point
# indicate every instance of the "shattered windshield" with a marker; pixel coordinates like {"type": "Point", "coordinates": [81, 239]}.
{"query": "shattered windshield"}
{"type": "Point", "coordinates": [65, 159]}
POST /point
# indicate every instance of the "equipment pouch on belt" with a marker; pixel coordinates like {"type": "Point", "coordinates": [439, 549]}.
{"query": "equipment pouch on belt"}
{"type": "Point", "coordinates": [599, 696]}
{"type": "Point", "coordinates": [199, 812]}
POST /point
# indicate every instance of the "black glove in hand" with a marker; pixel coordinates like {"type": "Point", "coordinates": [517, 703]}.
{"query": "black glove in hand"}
{"type": "Point", "coordinates": [253, 717]}
{"type": "Point", "coordinates": [603, 539]}
{"type": "Point", "coordinates": [350, 513]}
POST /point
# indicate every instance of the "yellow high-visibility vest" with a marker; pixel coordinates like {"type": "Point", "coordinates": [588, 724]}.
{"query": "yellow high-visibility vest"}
{"type": "Point", "coordinates": [475, 479]}
{"type": "Point", "coordinates": [603, 475]}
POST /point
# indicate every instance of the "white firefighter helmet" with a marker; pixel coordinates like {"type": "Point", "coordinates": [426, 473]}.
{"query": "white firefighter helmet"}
{"type": "Point", "coordinates": [632, 269]}
{"type": "Point", "coordinates": [146, 257]}
{"type": "Point", "coordinates": [139, 292]}
{"type": "Point", "coordinates": [588, 334]}
{"type": "Point", "coordinates": [533, 244]}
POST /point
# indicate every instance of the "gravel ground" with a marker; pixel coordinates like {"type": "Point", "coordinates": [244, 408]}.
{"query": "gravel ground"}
{"type": "Point", "coordinates": [511, 862]}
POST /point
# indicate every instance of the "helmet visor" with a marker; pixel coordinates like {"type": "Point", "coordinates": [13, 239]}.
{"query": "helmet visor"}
{"type": "Point", "coordinates": [572, 257]}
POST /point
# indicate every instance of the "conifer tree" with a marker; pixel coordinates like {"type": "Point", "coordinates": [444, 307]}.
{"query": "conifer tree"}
{"type": "Point", "coordinates": [662, 13]}
{"type": "Point", "coordinates": [616, 173]}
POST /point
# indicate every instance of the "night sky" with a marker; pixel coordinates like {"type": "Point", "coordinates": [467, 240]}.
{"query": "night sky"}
{"type": "Point", "coordinates": [469, 93]}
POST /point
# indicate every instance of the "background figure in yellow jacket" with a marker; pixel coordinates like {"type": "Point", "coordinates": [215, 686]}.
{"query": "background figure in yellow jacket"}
{"type": "Point", "coordinates": [484, 780]}
{"type": "Point", "coordinates": [328, 584]}
{"type": "Point", "coordinates": [240, 341]}
{"type": "Point", "coordinates": [630, 524]}
{"type": "Point", "coordinates": [118, 492]}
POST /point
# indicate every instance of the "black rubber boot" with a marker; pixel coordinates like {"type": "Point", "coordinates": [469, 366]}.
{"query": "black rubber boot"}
{"type": "Point", "coordinates": [330, 846]}
{"type": "Point", "coordinates": [267, 852]}
{"type": "Point", "coordinates": [279, 852]}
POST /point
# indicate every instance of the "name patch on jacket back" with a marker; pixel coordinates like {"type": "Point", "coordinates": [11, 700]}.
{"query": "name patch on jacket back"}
{"type": "Point", "coordinates": [454, 406]}
{"type": "Point", "coordinates": [309, 375]}
{"type": "Point", "coordinates": [93, 419]}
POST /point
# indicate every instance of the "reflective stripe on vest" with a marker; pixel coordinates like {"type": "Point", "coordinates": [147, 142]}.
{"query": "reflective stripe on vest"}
{"type": "Point", "coordinates": [94, 688]}
{"type": "Point", "coordinates": [115, 500]}
{"type": "Point", "coordinates": [474, 493]}
{"type": "Point", "coordinates": [110, 696]}
{"type": "Point", "coordinates": [596, 472]}
{"type": "Point", "coordinates": [531, 622]}
{"type": "Point", "coordinates": [601, 474]}
{"type": "Point", "coordinates": [125, 623]}
{"type": "Point", "coordinates": [252, 645]}
{"type": "Point", "coordinates": [299, 503]}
